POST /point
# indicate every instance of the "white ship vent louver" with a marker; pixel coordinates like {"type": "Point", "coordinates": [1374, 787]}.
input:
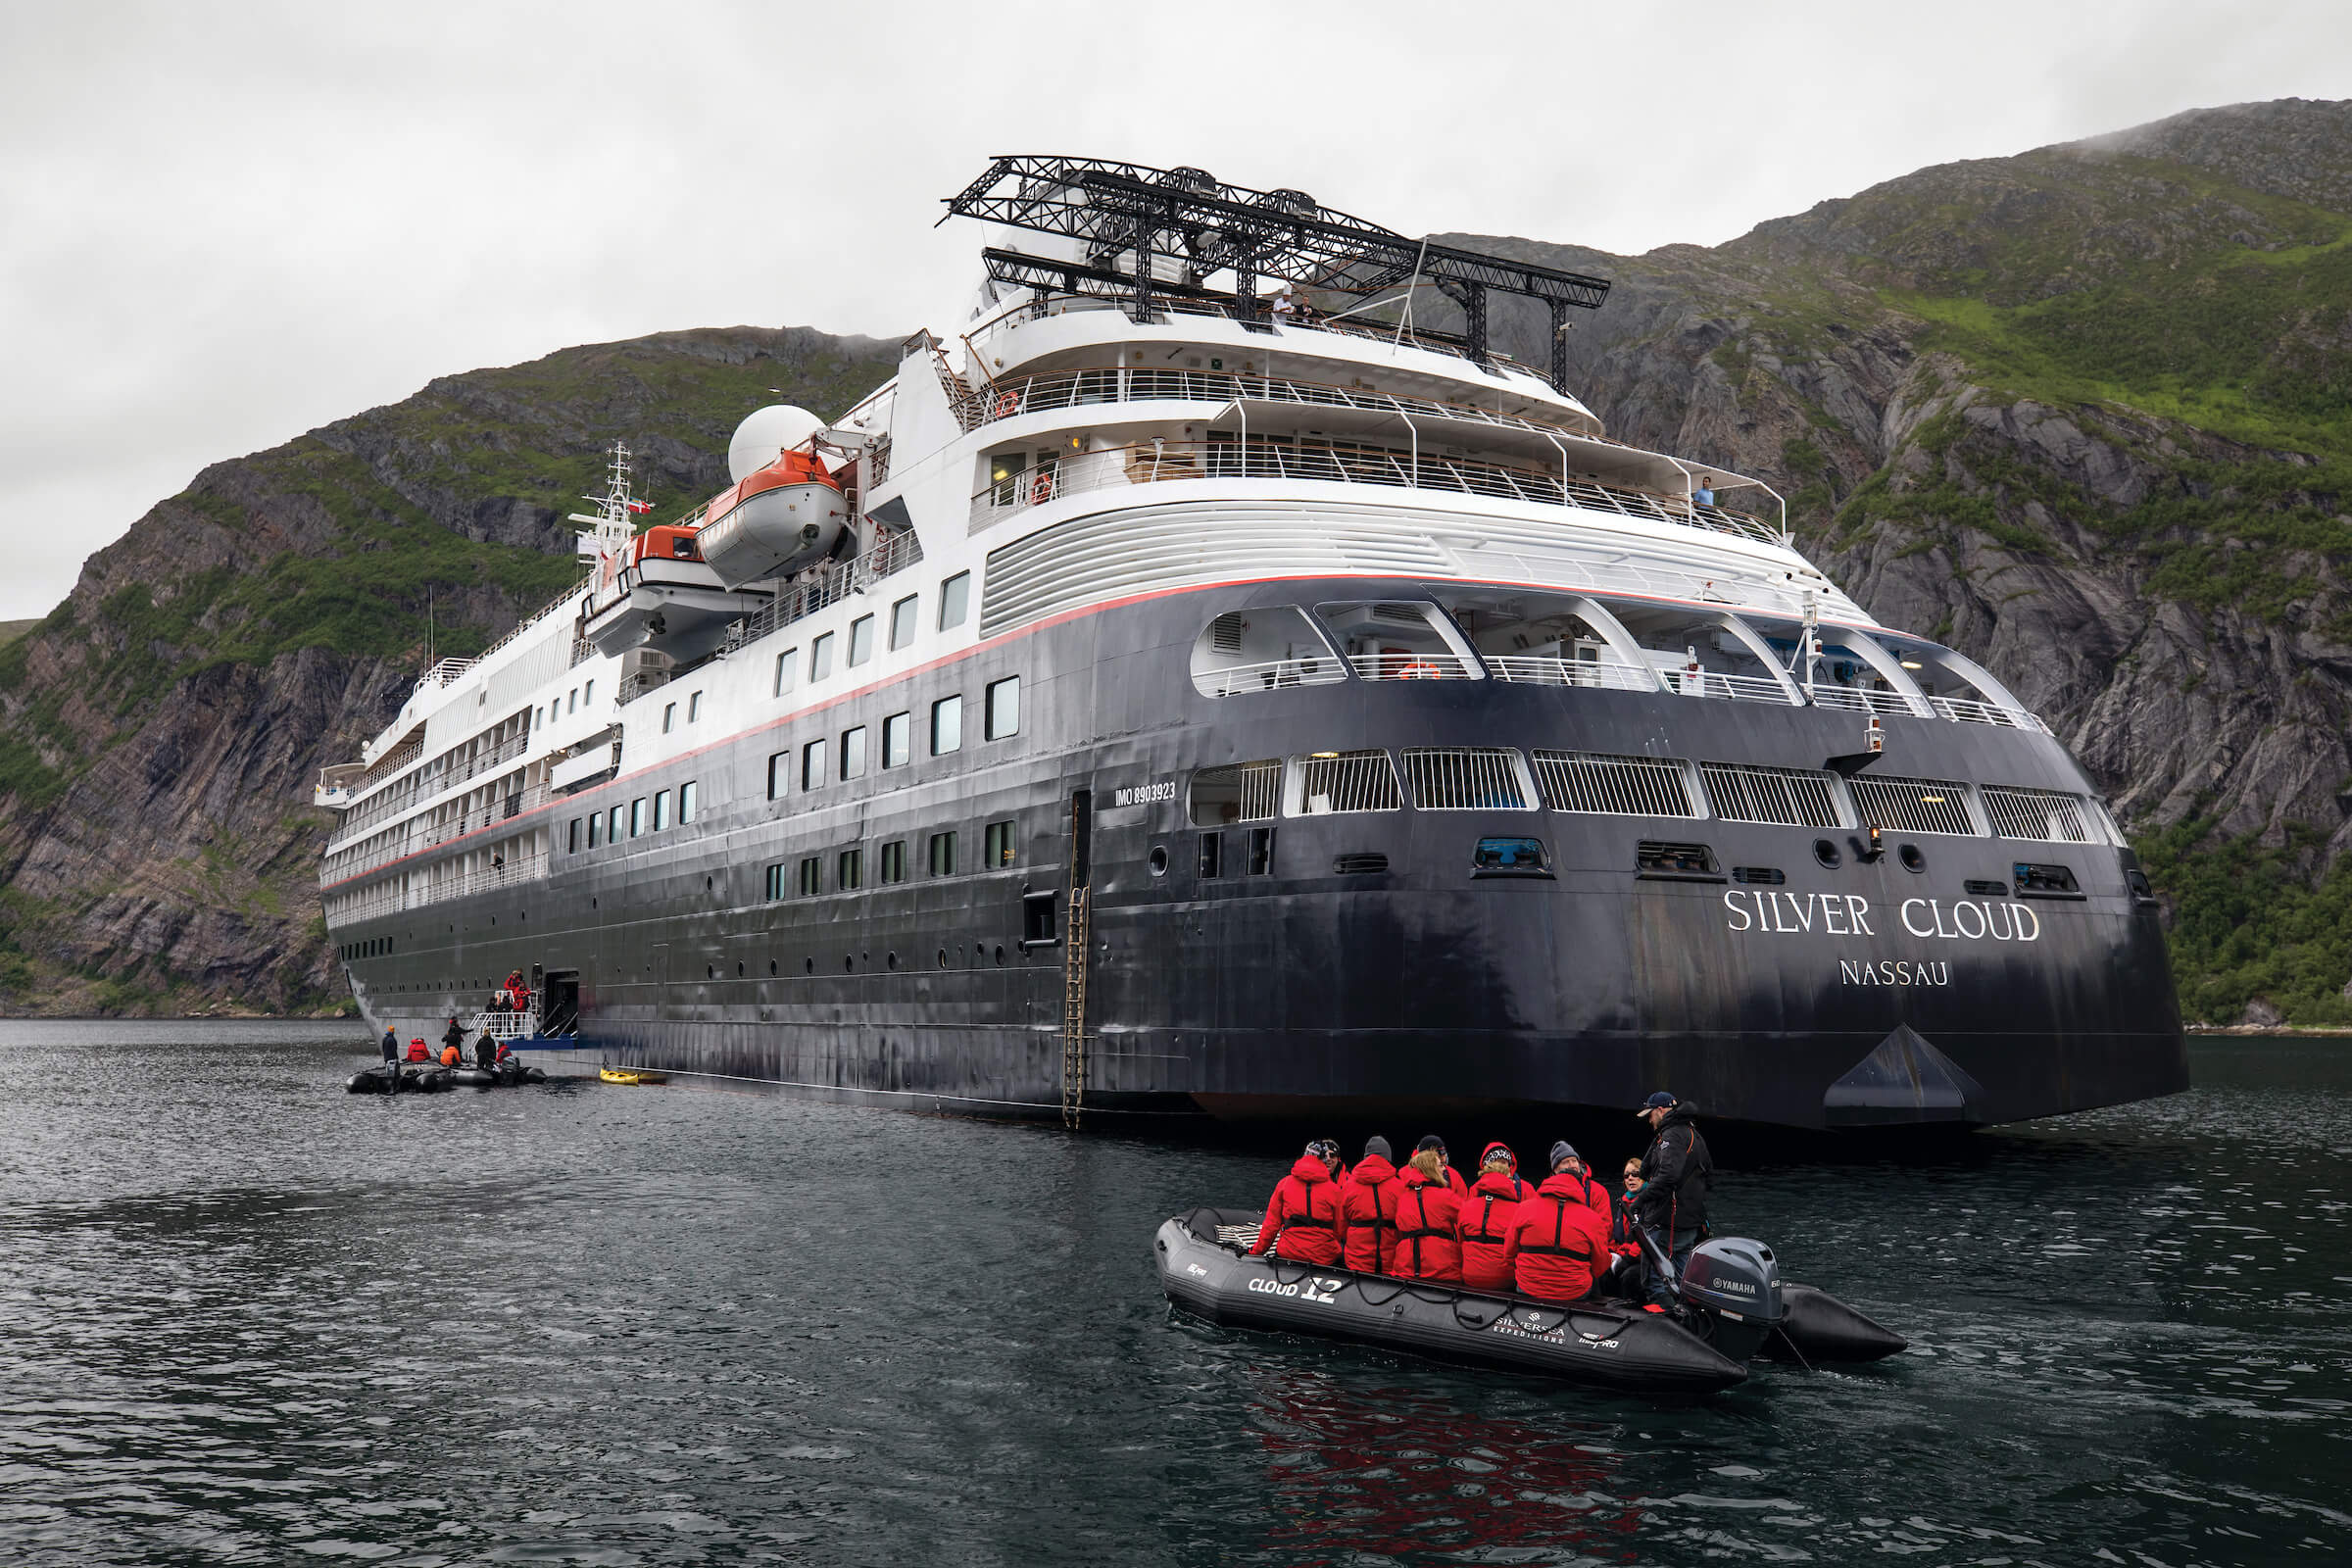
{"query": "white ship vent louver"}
{"type": "Point", "coordinates": [1622, 786]}
{"type": "Point", "coordinates": [1914, 805]}
{"type": "Point", "coordinates": [2043, 815]}
{"type": "Point", "coordinates": [1743, 792]}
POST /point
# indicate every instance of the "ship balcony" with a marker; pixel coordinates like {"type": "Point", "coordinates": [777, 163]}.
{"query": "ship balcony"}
{"type": "Point", "coordinates": [1014, 491]}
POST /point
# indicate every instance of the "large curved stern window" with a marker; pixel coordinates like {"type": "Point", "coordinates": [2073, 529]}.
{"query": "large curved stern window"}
{"type": "Point", "coordinates": [1244, 792]}
{"type": "Point", "coordinates": [1401, 640]}
{"type": "Point", "coordinates": [1621, 786]}
{"type": "Point", "coordinates": [1465, 778]}
{"type": "Point", "coordinates": [1914, 805]}
{"type": "Point", "coordinates": [1262, 650]}
{"type": "Point", "coordinates": [1746, 792]}
{"type": "Point", "coordinates": [2045, 814]}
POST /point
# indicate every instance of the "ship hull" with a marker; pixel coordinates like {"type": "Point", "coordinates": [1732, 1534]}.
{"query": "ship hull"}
{"type": "Point", "coordinates": [1860, 995]}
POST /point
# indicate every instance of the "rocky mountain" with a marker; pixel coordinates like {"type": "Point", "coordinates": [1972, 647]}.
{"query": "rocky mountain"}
{"type": "Point", "coordinates": [160, 730]}
{"type": "Point", "coordinates": [2081, 411]}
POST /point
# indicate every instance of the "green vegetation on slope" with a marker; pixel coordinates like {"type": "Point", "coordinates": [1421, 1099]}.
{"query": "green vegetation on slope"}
{"type": "Point", "coordinates": [2252, 922]}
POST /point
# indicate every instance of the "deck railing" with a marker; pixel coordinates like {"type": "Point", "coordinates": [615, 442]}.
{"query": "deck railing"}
{"type": "Point", "coordinates": [1538, 671]}
{"type": "Point", "coordinates": [1153, 462]}
{"type": "Point", "coordinates": [407, 894]}
{"type": "Point", "coordinates": [1266, 675]}
{"type": "Point", "coordinates": [430, 783]}
{"type": "Point", "coordinates": [1415, 667]}
{"type": "Point", "coordinates": [825, 586]}
{"type": "Point", "coordinates": [423, 835]}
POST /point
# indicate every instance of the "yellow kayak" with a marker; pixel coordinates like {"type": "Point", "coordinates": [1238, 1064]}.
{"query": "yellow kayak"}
{"type": "Point", "coordinates": [631, 1075]}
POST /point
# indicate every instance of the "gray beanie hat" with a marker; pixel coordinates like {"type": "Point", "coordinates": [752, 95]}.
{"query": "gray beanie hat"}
{"type": "Point", "coordinates": [1563, 1149]}
{"type": "Point", "coordinates": [1377, 1144]}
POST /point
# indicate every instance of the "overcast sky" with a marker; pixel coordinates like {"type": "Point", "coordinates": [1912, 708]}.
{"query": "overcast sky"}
{"type": "Point", "coordinates": [222, 224]}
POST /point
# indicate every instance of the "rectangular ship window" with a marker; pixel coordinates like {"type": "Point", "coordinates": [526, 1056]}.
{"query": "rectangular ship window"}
{"type": "Point", "coordinates": [694, 707]}
{"type": "Point", "coordinates": [686, 793]}
{"type": "Point", "coordinates": [861, 640]}
{"type": "Point", "coordinates": [1795, 797]}
{"type": "Point", "coordinates": [669, 717]}
{"type": "Point", "coordinates": [1509, 857]}
{"type": "Point", "coordinates": [612, 828]}
{"type": "Point", "coordinates": [637, 817]}
{"type": "Point", "coordinates": [812, 766]}
{"type": "Point", "coordinates": [1464, 778]}
{"type": "Point", "coordinates": [2046, 881]}
{"type": "Point", "coordinates": [788, 665]}
{"type": "Point", "coordinates": [853, 752]}
{"type": "Point", "coordinates": [660, 809]}
{"type": "Point", "coordinates": [898, 740]}
{"type": "Point", "coordinates": [2045, 814]}
{"type": "Point", "coordinates": [1348, 781]}
{"type": "Point", "coordinates": [943, 853]}
{"type": "Point", "coordinates": [571, 838]}
{"type": "Point", "coordinates": [779, 774]}
{"type": "Point", "coordinates": [849, 869]}
{"type": "Point", "coordinates": [1038, 926]}
{"type": "Point", "coordinates": [1619, 786]}
{"type": "Point", "coordinates": [595, 819]}
{"type": "Point", "coordinates": [997, 846]}
{"type": "Point", "coordinates": [902, 622]}
{"type": "Point", "coordinates": [813, 876]}
{"type": "Point", "coordinates": [955, 600]}
{"type": "Point", "coordinates": [947, 725]}
{"type": "Point", "coordinates": [588, 694]}
{"type": "Point", "coordinates": [776, 882]}
{"type": "Point", "coordinates": [1913, 804]}
{"type": "Point", "coordinates": [1241, 791]}
{"type": "Point", "coordinates": [894, 860]}
{"type": "Point", "coordinates": [1003, 717]}
{"type": "Point", "coordinates": [1208, 864]}
{"type": "Point", "coordinates": [1675, 862]}
{"type": "Point", "coordinates": [820, 658]}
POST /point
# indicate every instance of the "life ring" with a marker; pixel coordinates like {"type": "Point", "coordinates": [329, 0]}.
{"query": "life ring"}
{"type": "Point", "coordinates": [1420, 669]}
{"type": "Point", "coordinates": [1008, 404]}
{"type": "Point", "coordinates": [1041, 487]}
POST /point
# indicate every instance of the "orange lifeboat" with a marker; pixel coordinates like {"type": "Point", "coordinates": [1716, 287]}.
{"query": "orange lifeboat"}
{"type": "Point", "coordinates": [778, 519]}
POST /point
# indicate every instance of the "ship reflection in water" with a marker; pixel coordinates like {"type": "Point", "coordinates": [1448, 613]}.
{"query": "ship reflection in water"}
{"type": "Point", "coordinates": [253, 1319]}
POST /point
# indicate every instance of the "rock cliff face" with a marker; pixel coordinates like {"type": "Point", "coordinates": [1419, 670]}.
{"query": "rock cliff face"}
{"type": "Point", "coordinates": [161, 729]}
{"type": "Point", "coordinates": [2082, 413]}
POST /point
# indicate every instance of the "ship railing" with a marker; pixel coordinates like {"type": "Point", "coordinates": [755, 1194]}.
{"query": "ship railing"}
{"type": "Point", "coordinates": [1266, 675]}
{"type": "Point", "coordinates": [1967, 711]}
{"type": "Point", "coordinates": [416, 892]}
{"type": "Point", "coordinates": [507, 1023]}
{"type": "Point", "coordinates": [422, 835]}
{"type": "Point", "coordinates": [1053, 302]}
{"type": "Point", "coordinates": [1854, 700]}
{"type": "Point", "coordinates": [1733, 688]}
{"type": "Point", "coordinates": [430, 782]}
{"type": "Point", "coordinates": [637, 683]}
{"type": "Point", "coordinates": [383, 768]}
{"type": "Point", "coordinates": [1060, 390]}
{"type": "Point", "coordinates": [1415, 666]}
{"type": "Point", "coordinates": [1153, 462]}
{"type": "Point", "coordinates": [1535, 670]}
{"type": "Point", "coordinates": [582, 651]}
{"type": "Point", "coordinates": [826, 585]}
{"type": "Point", "coordinates": [444, 673]}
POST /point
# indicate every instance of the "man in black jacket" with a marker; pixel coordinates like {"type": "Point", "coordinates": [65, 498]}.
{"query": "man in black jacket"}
{"type": "Point", "coordinates": [1671, 1204]}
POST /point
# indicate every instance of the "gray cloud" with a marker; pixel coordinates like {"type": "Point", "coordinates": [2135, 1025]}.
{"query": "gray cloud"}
{"type": "Point", "coordinates": [221, 225]}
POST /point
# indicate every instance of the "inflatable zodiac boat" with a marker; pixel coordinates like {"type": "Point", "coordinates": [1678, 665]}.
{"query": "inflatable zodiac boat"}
{"type": "Point", "coordinates": [1734, 1308]}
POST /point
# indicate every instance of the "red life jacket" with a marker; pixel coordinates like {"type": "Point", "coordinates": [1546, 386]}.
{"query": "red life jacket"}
{"type": "Point", "coordinates": [1485, 1225]}
{"type": "Point", "coordinates": [1302, 1223]}
{"type": "Point", "coordinates": [1429, 1244]}
{"type": "Point", "coordinates": [1368, 1203]}
{"type": "Point", "coordinates": [1559, 1246]}
{"type": "Point", "coordinates": [417, 1050]}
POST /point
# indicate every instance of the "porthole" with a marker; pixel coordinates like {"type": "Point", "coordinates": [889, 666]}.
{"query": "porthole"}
{"type": "Point", "coordinates": [709, 971]}
{"type": "Point", "coordinates": [893, 960]}
{"type": "Point", "coordinates": [811, 962]}
{"type": "Point", "coordinates": [1827, 853]}
{"type": "Point", "coordinates": [848, 964]}
{"type": "Point", "coordinates": [739, 968]}
{"type": "Point", "coordinates": [1159, 860]}
{"type": "Point", "coordinates": [943, 957]}
{"type": "Point", "coordinates": [772, 969]}
{"type": "Point", "coordinates": [1000, 954]}
{"type": "Point", "coordinates": [1913, 861]}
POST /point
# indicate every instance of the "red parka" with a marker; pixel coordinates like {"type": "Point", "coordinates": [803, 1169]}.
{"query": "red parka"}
{"type": "Point", "coordinates": [1485, 1225]}
{"type": "Point", "coordinates": [1302, 1222]}
{"type": "Point", "coordinates": [1368, 1203]}
{"type": "Point", "coordinates": [1559, 1246]}
{"type": "Point", "coordinates": [1429, 1246]}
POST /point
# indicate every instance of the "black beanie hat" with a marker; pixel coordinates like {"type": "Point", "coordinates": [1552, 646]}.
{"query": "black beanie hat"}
{"type": "Point", "coordinates": [1377, 1144]}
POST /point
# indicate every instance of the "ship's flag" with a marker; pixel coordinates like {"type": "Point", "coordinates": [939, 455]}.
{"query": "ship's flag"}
{"type": "Point", "coordinates": [641, 507]}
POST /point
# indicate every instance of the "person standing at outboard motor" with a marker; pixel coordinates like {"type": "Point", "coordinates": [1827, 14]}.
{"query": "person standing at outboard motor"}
{"type": "Point", "coordinates": [391, 1050]}
{"type": "Point", "coordinates": [1558, 1248]}
{"type": "Point", "coordinates": [485, 1051]}
{"type": "Point", "coordinates": [453, 1038]}
{"type": "Point", "coordinates": [1671, 1205]}
{"type": "Point", "coordinates": [1484, 1221]}
{"type": "Point", "coordinates": [1303, 1223]}
{"type": "Point", "coordinates": [1429, 1243]}
{"type": "Point", "coordinates": [1368, 1203]}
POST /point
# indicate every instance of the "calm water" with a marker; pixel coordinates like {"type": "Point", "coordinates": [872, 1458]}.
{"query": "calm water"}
{"type": "Point", "coordinates": [252, 1319]}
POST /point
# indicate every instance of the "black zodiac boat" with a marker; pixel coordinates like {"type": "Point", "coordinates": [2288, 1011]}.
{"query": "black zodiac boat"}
{"type": "Point", "coordinates": [1735, 1307]}
{"type": "Point", "coordinates": [433, 1080]}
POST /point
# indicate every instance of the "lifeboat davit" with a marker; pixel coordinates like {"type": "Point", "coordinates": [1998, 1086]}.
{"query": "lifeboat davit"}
{"type": "Point", "coordinates": [778, 519]}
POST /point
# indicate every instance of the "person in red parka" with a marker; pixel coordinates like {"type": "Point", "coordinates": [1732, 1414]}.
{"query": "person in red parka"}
{"type": "Point", "coordinates": [1557, 1246]}
{"type": "Point", "coordinates": [1453, 1178]}
{"type": "Point", "coordinates": [1429, 1244]}
{"type": "Point", "coordinates": [1302, 1223]}
{"type": "Point", "coordinates": [1368, 1203]}
{"type": "Point", "coordinates": [1598, 1198]}
{"type": "Point", "coordinates": [1484, 1221]}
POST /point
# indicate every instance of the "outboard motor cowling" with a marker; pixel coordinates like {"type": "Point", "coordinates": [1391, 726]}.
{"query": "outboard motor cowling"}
{"type": "Point", "coordinates": [1734, 1286]}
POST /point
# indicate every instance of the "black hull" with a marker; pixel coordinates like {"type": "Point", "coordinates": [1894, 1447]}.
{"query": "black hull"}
{"type": "Point", "coordinates": [1612, 1345]}
{"type": "Point", "coordinates": [1306, 991]}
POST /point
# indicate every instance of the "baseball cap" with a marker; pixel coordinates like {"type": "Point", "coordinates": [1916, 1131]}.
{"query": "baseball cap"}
{"type": "Point", "coordinates": [1657, 1101]}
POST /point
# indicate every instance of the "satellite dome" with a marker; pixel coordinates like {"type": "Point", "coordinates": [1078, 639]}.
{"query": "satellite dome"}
{"type": "Point", "coordinates": [763, 434]}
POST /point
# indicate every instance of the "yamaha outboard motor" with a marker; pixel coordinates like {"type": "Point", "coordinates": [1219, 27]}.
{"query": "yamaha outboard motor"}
{"type": "Point", "coordinates": [1733, 1289]}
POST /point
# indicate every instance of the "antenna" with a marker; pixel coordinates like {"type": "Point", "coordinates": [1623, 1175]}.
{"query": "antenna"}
{"type": "Point", "coordinates": [430, 661]}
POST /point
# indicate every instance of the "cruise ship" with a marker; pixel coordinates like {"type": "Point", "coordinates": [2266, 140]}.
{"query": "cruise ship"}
{"type": "Point", "coordinates": [1193, 688]}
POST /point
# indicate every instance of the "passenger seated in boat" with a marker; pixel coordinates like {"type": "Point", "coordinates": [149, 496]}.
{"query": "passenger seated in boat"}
{"type": "Point", "coordinates": [1368, 1205]}
{"type": "Point", "coordinates": [1302, 1223]}
{"type": "Point", "coordinates": [1484, 1221]}
{"type": "Point", "coordinates": [451, 1055]}
{"type": "Point", "coordinates": [1429, 1243]}
{"type": "Point", "coordinates": [1558, 1248]}
{"type": "Point", "coordinates": [417, 1050]}
{"type": "Point", "coordinates": [1625, 1236]}
{"type": "Point", "coordinates": [1453, 1178]}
